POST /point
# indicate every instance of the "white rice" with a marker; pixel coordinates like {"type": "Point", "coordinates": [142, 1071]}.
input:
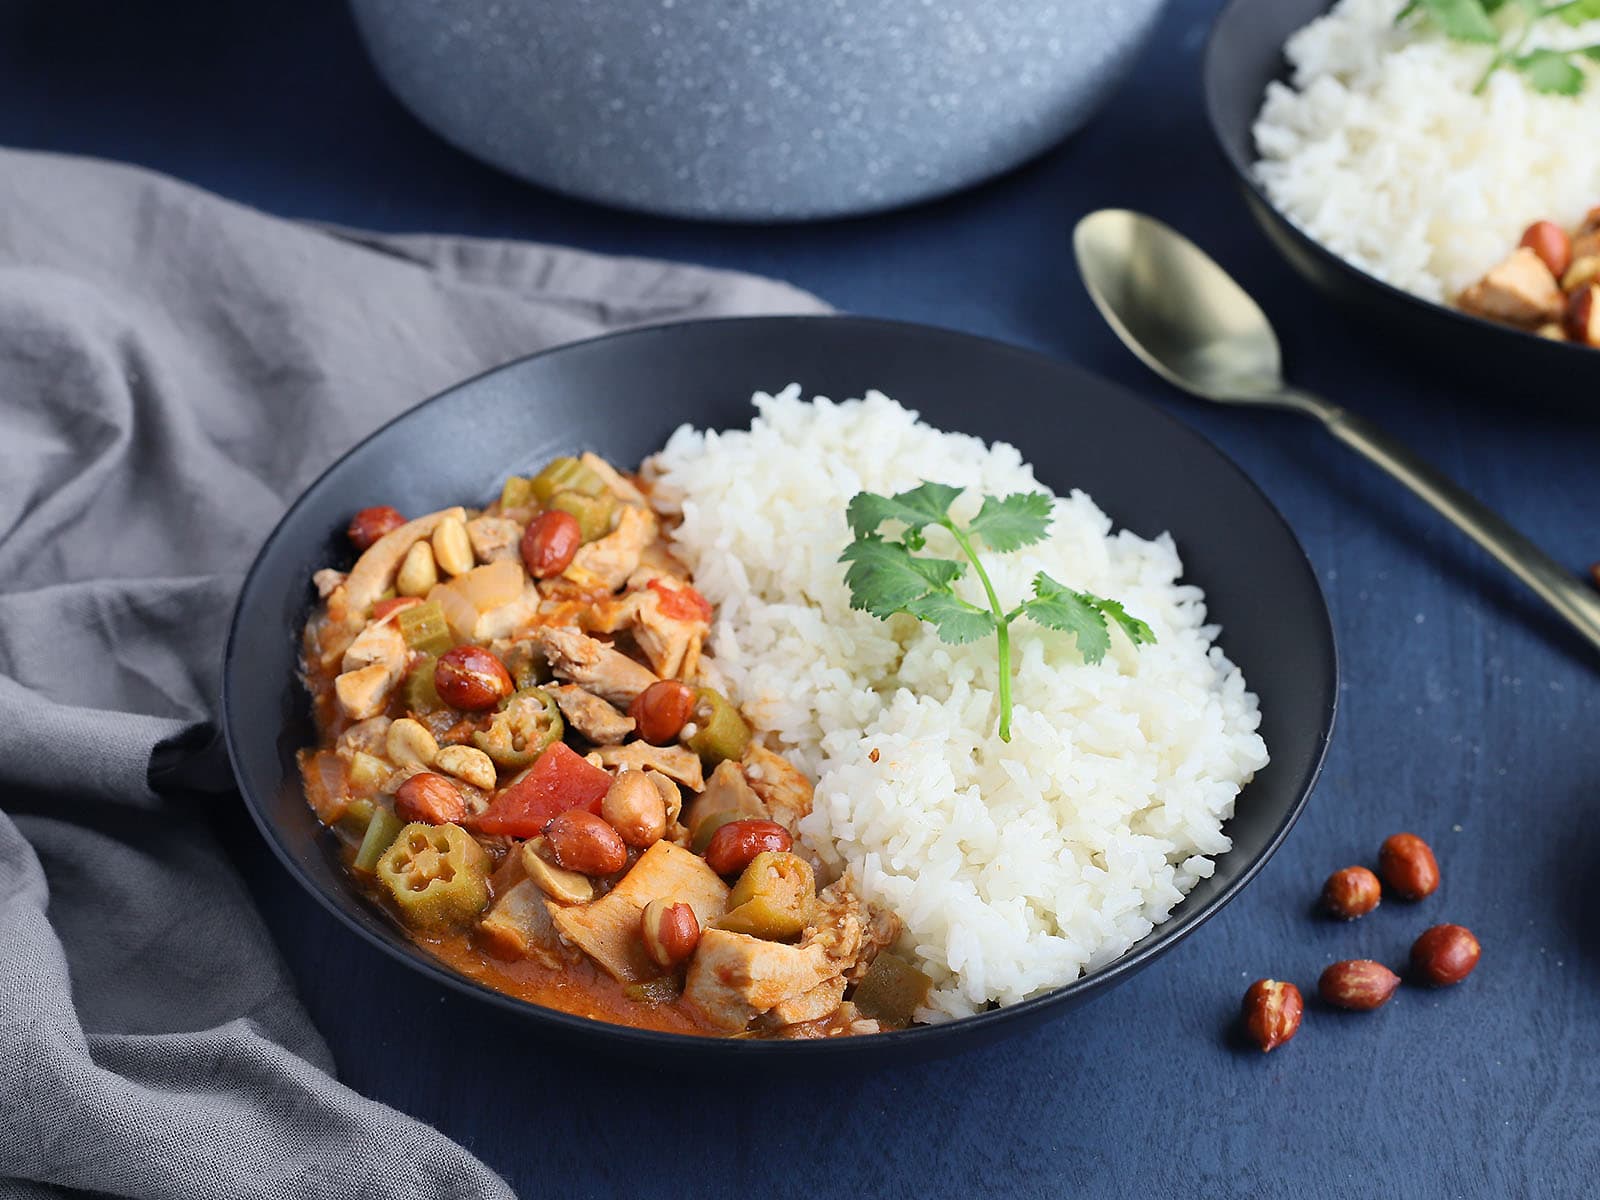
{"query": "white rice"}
{"type": "Point", "coordinates": [1016, 867]}
{"type": "Point", "coordinates": [1382, 152]}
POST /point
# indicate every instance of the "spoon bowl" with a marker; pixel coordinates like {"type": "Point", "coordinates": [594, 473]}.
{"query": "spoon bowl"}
{"type": "Point", "coordinates": [1175, 308]}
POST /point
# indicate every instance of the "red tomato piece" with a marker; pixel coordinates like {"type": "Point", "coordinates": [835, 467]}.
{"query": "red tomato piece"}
{"type": "Point", "coordinates": [682, 604]}
{"type": "Point", "coordinates": [559, 780]}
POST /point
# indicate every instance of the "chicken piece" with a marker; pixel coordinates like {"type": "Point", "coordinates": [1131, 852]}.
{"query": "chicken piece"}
{"type": "Point", "coordinates": [849, 930]}
{"type": "Point", "coordinates": [615, 483]}
{"type": "Point", "coordinates": [782, 786]}
{"type": "Point", "coordinates": [327, 581]}
{"type": "Point", "coordinates": [365, 737]}
{"type": "Point", "coordinates": [607, 562]}
{"type": "Point", "coordinates": [509, 619]}
{"type": "Point", "coordinates": [591, 716]}
{"type": "Point", "coordinates": [734, 978]}
{"type": "Point", "coordinates": [1581, 273]}
{"type": "Point", "coordinates": [375, 570]}
{"type": "Point", "coordinates": [672, 645]}
{"type": "Point", "coordinates": [676, 763]}
{"type": "Point", "coordinates": [1521, 291]}
{"type": "Point", "coordinates": [363, 693]}
{"type": "Point", "coordinates": [821, 1001]}
{"type": "Point", "coordinates": [725, 791]}
{"type": "Point", "coordinates": [593, 666]}
{"type": "Point", "coordinates": [494, 538]}
{"type": "Point", "coordinates": [519, 925]}
{"type": "Point", "coordinates": [608, 929]}
{"type": "Point", "coordinates": [380, 642]}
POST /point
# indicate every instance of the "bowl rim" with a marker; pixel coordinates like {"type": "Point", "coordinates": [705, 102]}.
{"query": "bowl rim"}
{"type": "Point", "coordinates": [1161, 939]}
{"type": "Point", "coordinates": [1210, 75]}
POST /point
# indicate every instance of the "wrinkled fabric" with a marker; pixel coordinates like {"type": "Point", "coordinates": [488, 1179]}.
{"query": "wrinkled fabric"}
{"type": "Point", "coordinates": [174, 369]}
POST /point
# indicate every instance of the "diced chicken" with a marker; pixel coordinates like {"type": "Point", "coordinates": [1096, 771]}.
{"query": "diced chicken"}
{"type": "Point", "coordinates": [593, 666]}
{"type": "Point", "coordinates": [615, 483]}
{"type": "Point", "coordinates": [507, 620]}
{"type": "Point", "coordinates": [363, 693]}
{"type": "Point", "coordinates": [379, 642]}
{"type": "Point", "coordinates": [327, 581]}
{"type": "Point", "coordinates": [782, 786]}
{"type": "Point", "coordinates": [591, 716]}
{"type": "Point", "coordinates": [657, 562]}
{"type": "Point", "coordinates": [1521, 290]}
{"type": "Point", "coordinates": [676, 763]}
{"type": "Point", "coordinates": [608, 929]}
{"type": "Point", "coordinates": [821, 1001]}
{"type": "Point", "coordinates": [725, 791]}
{"type": "Point", "coordinates": [375, 570]}
{"type": "Point", "coordinates": [494, 538]}
{"type": "Point", "coordinates": [518, 925]}
{"type": "Point", "coordinates": [734, 978]}
{"type": "Point", "coordinates": [672, 645]}
{"type": "Point", "coordinates": [849, 930]}
{"type": "Point", "coordinates": [607, 562]}
{"type": "Point", "coordinates": [364, 737]}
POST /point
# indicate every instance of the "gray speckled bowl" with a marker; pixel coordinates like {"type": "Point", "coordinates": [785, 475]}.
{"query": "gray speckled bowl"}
{"type": "Point", "coordinates": [754, 110]}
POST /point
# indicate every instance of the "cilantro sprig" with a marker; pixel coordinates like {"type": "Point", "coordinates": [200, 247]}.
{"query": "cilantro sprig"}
{"type": "Point", "coordinates": [1554, 72]}
{"type": "Point", "coordinates": [888, 576]}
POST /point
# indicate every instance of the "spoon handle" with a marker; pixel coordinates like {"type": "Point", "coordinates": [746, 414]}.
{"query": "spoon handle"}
{"type": "Point", "coordinates": [1551, 581]}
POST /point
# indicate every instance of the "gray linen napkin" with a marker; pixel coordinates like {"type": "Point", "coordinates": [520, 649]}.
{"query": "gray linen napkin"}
{"type": "Point", "coordinates": [174, 369]}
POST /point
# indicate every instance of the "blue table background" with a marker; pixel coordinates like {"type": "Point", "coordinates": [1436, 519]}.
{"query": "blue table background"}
{"type": "Point", "coordinates": [1468, 714]}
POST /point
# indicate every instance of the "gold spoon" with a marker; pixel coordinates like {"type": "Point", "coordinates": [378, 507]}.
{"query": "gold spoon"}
{"type": "Point", "coordinates": [1187, 319]}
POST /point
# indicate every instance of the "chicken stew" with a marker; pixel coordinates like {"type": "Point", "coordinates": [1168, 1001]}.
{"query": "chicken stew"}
{"type": "Point", "coordinates": [528, 763]}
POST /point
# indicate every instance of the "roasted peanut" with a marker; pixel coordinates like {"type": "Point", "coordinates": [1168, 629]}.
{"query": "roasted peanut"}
{"type": "Point", "coordinates": [735, 845]}
{"type": "Point", "coordinates": [1350, 893]}
{"type": "Point", "coordinates": [1444, 955]}
{"type": "Point", "coordinates": [467, 763]}
{"type": "Point", "coordinates": [418, 573]}
{"type": "Point", "coordinates": [1581, 273]}
{"type": "Point", "coordinates": [408, 742]}
{"type": "Point", "coordinates": [1272, 1011]}
{"type": "Point", "coordinates": [635, 808]}
{"type": "Point", "coordinates": [1358, 984]}
{"type": "Point", "coordinates": [1551, 243]}
{"type": "Point", "coordinates": [431, 798]}
{"type": "Point", "coordinates": [452, 548]}
{"type": "Point", "coordinates": [585, 843]}
{"type": "Point", "coordinates": [471, 678]}
{"type": "Point", "coordinates": [550, 542]}
{"type": "Point", "coordinates": [671, 932]}
{"type": "Point", "coordinates": [370, 524]}
{"type": "Point", "coordinates": [661, 711]}
{"type": "Point", "coordinates": [1408, 866]}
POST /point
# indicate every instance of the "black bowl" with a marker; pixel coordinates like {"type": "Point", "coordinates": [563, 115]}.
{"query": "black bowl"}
{"type": "Point", "coordinates": [1244, 55]}
{"type": "Point", "coordinates": [621, 396]}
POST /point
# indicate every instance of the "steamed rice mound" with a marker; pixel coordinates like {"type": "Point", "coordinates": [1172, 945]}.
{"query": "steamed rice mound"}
{"type": "Point", "coordinates": [1015, 867]}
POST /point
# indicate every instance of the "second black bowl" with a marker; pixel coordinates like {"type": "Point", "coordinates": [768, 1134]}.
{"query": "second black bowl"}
{"type": "Point", "coordinates": [1244, 55]}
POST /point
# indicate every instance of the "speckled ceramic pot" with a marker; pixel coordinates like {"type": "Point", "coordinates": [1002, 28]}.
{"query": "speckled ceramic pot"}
{"type": "Point", "coordinates": [754, 110]}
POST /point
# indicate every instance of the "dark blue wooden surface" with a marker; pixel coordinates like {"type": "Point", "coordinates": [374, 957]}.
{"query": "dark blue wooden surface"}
{"type": "Point", "coordinates": [1468, 715]}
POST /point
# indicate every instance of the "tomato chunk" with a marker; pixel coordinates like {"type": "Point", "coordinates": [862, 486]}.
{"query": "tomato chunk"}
{"type": "Point", "coordinates": [559, 780]}
{"type": "Point", "coordinates": [682, 604]}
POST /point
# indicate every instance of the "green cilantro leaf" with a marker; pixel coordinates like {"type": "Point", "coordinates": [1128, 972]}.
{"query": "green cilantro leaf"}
{"type": "Point", "coordinates": [1551, 72]}
{"type": "Point", "coordinates": [1138, 632]}
{"type": "Point", "coordinates": [957, 621]}
{"type": "Point", "coordinates": [1463, 20]}
{"type": "Point", "coordinates": [1013, 521]}
{"type": "Point", "coordinates": [884, 577]}
{"type": "Point", "coordinates": [1578, 12]}
{"type": "Point", "coordinates": [1057, 607]}
{"type": "Point", "coordinates": [925, 505]}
